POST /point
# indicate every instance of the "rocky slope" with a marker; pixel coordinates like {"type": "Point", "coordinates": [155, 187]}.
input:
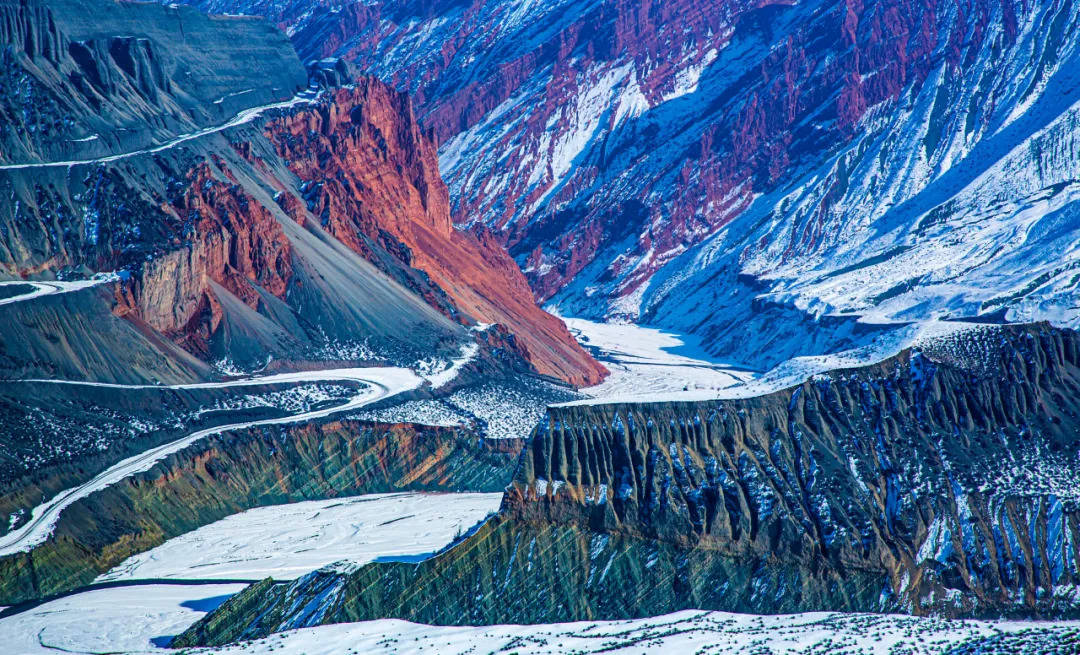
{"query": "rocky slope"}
{"type": "Point", "coordinates": [55, 439]}
{"type": "Point", "coordinates": [226, 474]}
{"type": "Point", "coordinates": [78, 84]}
{"type": "Point", "coordinates": [314, 232]}
{"type": "Point", "coordinates": [332, 151]}
{"type": "Point", "coordinates": [241, 232]}
{"type": "Point", "coordinates": [692, 164]}
{"type": "Point", "coordinates": [938, 481]}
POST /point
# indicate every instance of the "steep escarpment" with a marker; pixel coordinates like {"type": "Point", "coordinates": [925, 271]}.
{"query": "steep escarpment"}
{"type": "Point", "coordinates": [209, 262]}
{"type": "Point", "coordinates": [370, 176]}
{"type": "Point", "coordinates": [150, 140]}
{"type": "Point", "coordinates": [896, 469]}
{"type": "Point", "coordinates": [205, 262]}
{"type": "Point", "coordinates": [939, 481]}
{"type": "Point", "coordinates": [530, 573]}
{"type": "Point", "coordinates": [226, 474]}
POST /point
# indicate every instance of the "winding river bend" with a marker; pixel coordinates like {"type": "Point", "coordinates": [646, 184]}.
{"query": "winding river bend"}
{"type": "Point", "coordinates": [377, 383]}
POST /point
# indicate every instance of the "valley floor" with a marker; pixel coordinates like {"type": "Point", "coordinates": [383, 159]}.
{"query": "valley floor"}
{"type": "Point", "coordinates": [650, 364]}
{"type": "Point", "coordinates": [131, 619]}
{"type": "Point", "coordinates": [376, 383]}
{"type": "Point", "coordinates": [287, 541]}
{"type": "Point", "coordinates": [157, 594]}
{"type": "Point", "coordinates": [284, 541]}
{"type": "Point", "coordinates": [170, 587]}
{"type": "Point", "coordinates": [645, 361]}
{"type": "Point", "coordinates": [140, 619]}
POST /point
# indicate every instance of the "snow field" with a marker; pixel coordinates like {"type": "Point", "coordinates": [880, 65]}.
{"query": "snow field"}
{"type": "Point", "coordinates": [287, 541]}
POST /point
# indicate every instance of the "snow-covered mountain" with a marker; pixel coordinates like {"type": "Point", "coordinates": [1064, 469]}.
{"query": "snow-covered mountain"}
{"type": "Point", "coordinates": [688, 164]}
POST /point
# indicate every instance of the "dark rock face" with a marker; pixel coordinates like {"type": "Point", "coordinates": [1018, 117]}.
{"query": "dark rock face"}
{"type": "Point", "coordinates": [233, 472]}
{"type": "Point", "coordinates": [942, 480]}
{"type": "Point", "coordinates": [894, 469]}
{"type": "Point", "coordinates": [131, 75]}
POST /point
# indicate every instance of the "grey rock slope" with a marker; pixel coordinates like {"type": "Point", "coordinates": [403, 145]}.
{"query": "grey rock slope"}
{"type": "Point", "coordinates": [248, 222]}
{"type": "Point", "coordinates": [82, 80]}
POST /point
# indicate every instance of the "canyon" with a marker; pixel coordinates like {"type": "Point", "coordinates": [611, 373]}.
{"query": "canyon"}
{"type": "Point", "coordinates": [759, 317]}
{"type": "Point", "coordinates": [169, 231]}
{"type": "Point", "coordinates": [731, 168]}
{"type": "Point", "coordinates": [228, 247]}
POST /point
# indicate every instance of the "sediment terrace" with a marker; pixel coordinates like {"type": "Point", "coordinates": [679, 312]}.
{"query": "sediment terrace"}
{"type": "Point", "coordinates": [941, 480]}
{"type": "Point", "coordinates": [225, 474]}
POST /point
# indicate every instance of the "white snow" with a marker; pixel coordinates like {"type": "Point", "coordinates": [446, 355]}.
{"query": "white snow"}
{"type": "Point", "coordinates": [498, 410]}
{"type": "Point", "coordinates": [686, 79]}
{"type": "Point", "coordinates": [124, 620]}
{"type": "Point", "coordinates": [120, 620]}
{"type": "Point", "coordinates": [442, 378]}
{"type": "Point", "coordinates": [51, 287]}
{"type": "Point", "coordinates": [645, 361]}
{"type": "Point", "coordinates": [423, 412]}
{"type": "Point", "coordinates": [937, 535]}
{"type": "Point", "coordinates": [653, 365]}
{"type": "Point", "coordinates": [388, 377]}
{"type": "Point", "coordinates": [287, 541]}
{"type": "Point", "coordinates": [232, 95]}
{"type": "Point", "coordinates": [689, 631]}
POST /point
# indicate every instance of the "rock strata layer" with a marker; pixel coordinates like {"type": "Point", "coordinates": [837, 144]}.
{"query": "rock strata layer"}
{"type": "Point", "coordinates": [941, 480]}
{"type": "Point", "coordinates": [226, 474]}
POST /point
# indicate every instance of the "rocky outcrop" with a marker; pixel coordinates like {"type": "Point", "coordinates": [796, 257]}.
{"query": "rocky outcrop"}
{"type": "Point", "coordinates": [233, 243]}
{"type": "Point", "coordinates": [226, 474]}
{"type": "Point", "coordinates": [645, 159]}
{"type": "Point", "coordinates": [874, 489]}
{"type": "Point", "coordinates": [370, 176]}
{"type": "Point", "coordinates": [894, 469]}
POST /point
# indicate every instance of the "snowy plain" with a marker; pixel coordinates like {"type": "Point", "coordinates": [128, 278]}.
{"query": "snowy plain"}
{"type": "Point", "coordinates": [287, 541]}
{"type": "Point", "coordinates": [283, 542]}
{"type": "Point", "coordinates": [135, 619]}
{"type": "Point", "coordinates": [132, 620]}
{"type": "Point", "coordinates": [689, 631]}
{"type": "Point", "coordinates": [645, 361]}
{"type": "Point", "coordinates": [650, 364]}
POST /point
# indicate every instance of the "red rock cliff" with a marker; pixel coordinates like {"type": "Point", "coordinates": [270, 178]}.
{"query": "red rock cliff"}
{"type": "Point", "coordinates": [370, 173]}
